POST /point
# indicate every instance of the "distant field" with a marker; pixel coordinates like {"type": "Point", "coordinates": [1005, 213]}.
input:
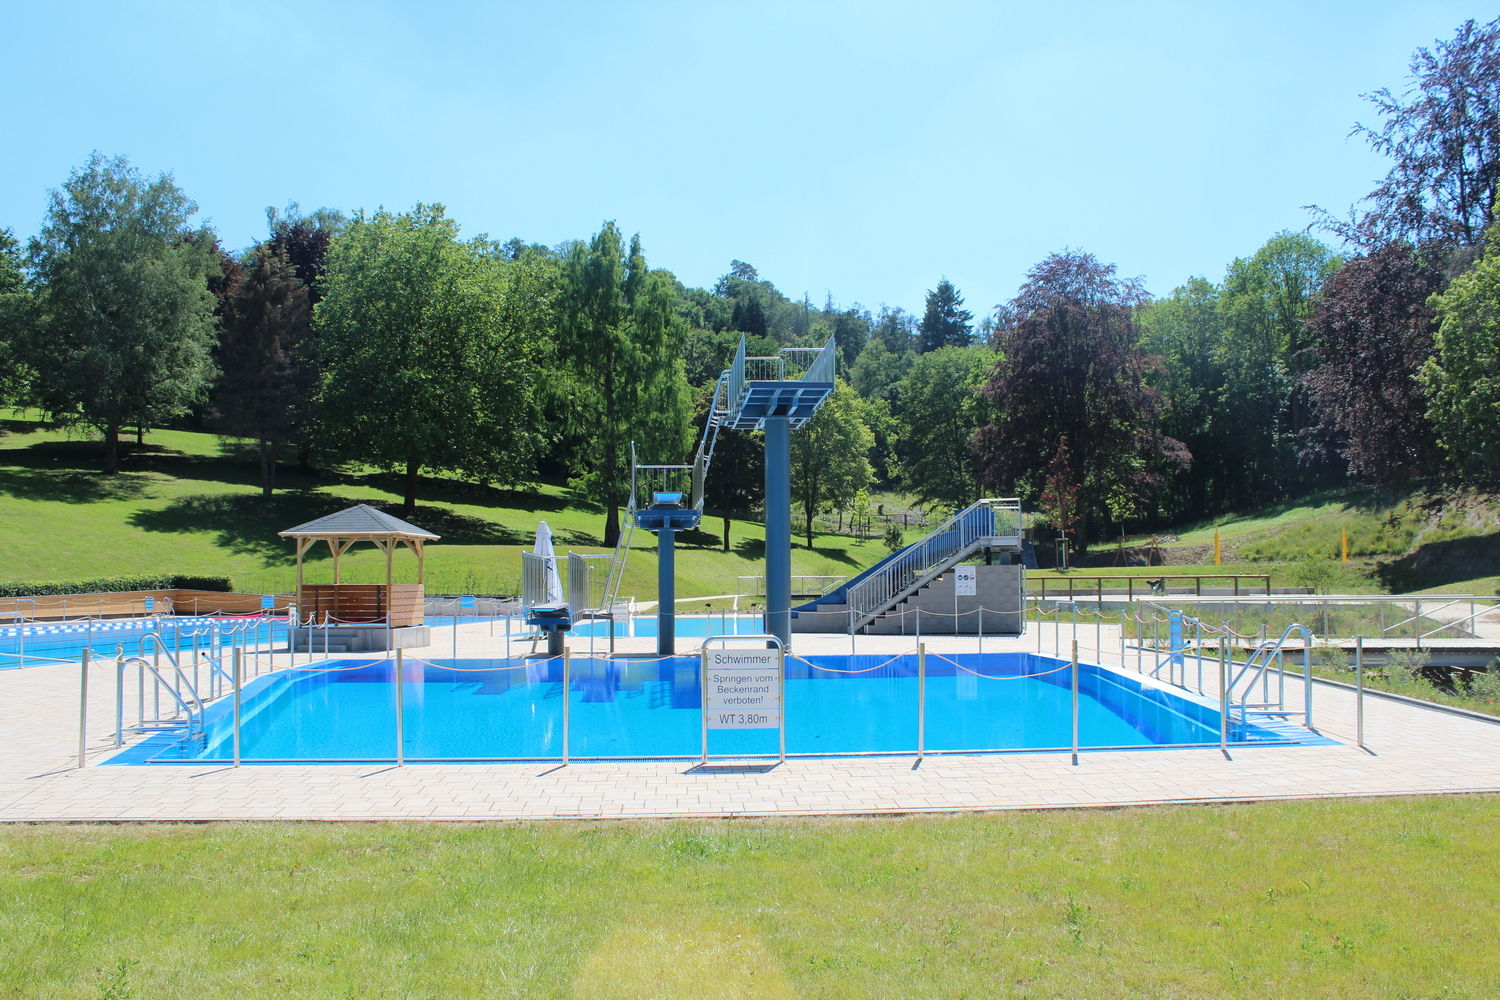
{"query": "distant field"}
{"type": "Point", "coordinates": [183, 504]}
{"type": "Point", "coordinates": [1384, 898]}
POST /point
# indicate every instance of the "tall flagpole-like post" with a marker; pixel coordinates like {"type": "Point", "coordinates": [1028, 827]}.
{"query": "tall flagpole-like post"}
{"type": "Point", "coordinates": [779, 528]}
{"type": "Point", "coordinates": [666, 591]}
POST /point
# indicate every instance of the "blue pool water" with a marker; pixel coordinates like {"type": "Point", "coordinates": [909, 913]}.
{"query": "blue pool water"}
{"type": "Point", "coordinates": [49, 642]}
{"type": "Point", "coordinates": [624, 707]}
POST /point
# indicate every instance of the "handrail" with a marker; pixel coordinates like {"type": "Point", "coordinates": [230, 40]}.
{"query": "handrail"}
{"type": "Point", "coordinates": [187, 709]}
{"type": "Point", "coordinates": [923, 560]}
{"type": "Point", "coordinates": [1270, 649]}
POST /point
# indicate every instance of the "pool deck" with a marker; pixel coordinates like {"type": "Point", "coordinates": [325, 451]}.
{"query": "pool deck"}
{"type": "Point", "coordinates": [1411, 750]}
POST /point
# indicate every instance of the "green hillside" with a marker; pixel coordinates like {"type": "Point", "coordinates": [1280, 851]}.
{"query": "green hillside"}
{"type": "Point", "coordinates": [1409, 542]}
{"type": "Point", "coordinates": [189, 503]}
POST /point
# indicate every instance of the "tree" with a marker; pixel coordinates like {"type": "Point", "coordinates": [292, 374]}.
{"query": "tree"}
{"type": "Point", "coordinates": [945, 323]}
{"type": "Point", "coordinates": [1185, 331]}
{"type": "Point", "coordinates": [1443, 135]}
{"type": "Point", "coordinates": [940, 411]}
{"type": "Point", "coordinates": [896, 329]}
{"type": "Point", "coordinates": [15, 318]}
{"type": "Point", "coordinates": [1058, 501]}
{"type": "Point", "coordinates": [126, 316]}
{"type": "Point", "coordinates": [618, 332]}
{"type": "Point", "coordinates": [1372, 331]}
{"type": "Point", "coordinates": [428, 348]}
{"type": "Point", "coordinates": [1264, 305]}
{"type": "Point", "coordinates": [1463, 378]}
{"type": "Point", "coordinates": [262, 354]}
{"type": "Point", "coordinates": [1070, 369]}
{"type": "Point", "coordinates": [830, 455]}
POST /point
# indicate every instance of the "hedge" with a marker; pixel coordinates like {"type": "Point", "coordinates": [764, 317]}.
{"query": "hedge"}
{"type": "Point", "coordinates": [116, 585]}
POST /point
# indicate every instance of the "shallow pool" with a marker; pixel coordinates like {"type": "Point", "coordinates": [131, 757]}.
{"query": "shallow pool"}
{"type": "Point", "coordinates": [647, 707]}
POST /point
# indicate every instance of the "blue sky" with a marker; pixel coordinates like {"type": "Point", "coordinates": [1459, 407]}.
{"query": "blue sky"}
{"type": "Point", "coordinates": [862, 150]}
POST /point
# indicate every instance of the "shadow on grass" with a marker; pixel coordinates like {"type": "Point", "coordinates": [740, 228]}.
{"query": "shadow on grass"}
{"type": "Point", "coordinates": [70, 486]}
{"type": "Point", "coordinates": [248, 525]}
{"type": "Point", "coordinates": [1438, 564]}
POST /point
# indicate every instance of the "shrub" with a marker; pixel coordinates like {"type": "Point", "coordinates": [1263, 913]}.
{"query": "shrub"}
{"type": "Point", "coordinates": [115, 585]}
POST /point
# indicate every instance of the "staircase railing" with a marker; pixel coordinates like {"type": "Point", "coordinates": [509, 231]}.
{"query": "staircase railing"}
{"type": "Point", "coordinates": [921, 561]}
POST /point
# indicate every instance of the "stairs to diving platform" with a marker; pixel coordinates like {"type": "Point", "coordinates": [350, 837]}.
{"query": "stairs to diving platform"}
{"type": "Point", "coordinates": [883, 588]}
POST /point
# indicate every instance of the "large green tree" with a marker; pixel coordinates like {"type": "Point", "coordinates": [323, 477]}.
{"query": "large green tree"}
{"type": "Point", "coordinates": [428, 346]}
{"type": "Point", "coordinates": [618, 332]}
{"type": "Point", "coordinates": [1463, 378]}
{"type": "Point", "coordinates": [940, 411]}
{"type": "Point", "coordinates": [125, 316]}
{"type": "Point", "coordinates": [830, 455]}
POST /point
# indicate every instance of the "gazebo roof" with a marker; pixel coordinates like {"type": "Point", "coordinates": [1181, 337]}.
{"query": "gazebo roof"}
{"type": "Point", "coordinates": [360, 521]}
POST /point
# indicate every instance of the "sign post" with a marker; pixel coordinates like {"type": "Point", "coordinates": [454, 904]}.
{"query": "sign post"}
{"type": "Point", "coordinates": [744, 688]}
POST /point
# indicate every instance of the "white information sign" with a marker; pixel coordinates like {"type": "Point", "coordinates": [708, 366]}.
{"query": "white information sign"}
{"type": "Point", "coordinates": [965, 581]}
{"type": "Point", "coordinates": [742, 689]}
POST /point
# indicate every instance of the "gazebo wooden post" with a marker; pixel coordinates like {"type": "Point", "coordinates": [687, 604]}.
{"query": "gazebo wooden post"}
{"type": "Point", "coordinates": [389, 545]}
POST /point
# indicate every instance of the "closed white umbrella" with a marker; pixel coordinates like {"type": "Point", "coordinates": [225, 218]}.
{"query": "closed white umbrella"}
{"type": "Point", "coordinates": [544, 549]}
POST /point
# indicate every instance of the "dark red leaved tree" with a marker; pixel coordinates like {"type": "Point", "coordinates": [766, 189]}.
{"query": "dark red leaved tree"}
{"type": "Point", "coordinates": [1372, 329]}
{"type": "Point", "coordinates": [1071, 370]}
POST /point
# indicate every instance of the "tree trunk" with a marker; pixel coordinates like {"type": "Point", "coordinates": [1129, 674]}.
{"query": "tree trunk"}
{"type": "Point", "coordinates": [112, 449]}
{"type": "Point", "coordinates": [267, 469]}
{"type": "Point", "coordinates": [726, 531]}
{"type": "Point", "coordinates": [809, 509]}
{"type": "Point", "coordinates": [140, 434]}
{"type": "Point", "coordinates": [409, 502]}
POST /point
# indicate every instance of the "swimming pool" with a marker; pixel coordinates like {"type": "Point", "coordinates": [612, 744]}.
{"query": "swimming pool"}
{"type": "Point", "coordinates": [624, 707]}
{"type": "Point", "coordinates": [37, 643]}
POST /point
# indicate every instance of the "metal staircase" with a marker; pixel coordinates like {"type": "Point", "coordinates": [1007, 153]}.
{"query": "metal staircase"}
{"type": "Point", "coordinates": [994, 523]}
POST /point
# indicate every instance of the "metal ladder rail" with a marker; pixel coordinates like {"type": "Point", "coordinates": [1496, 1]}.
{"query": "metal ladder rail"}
{"type": "Point", "coordinates": [188, 711]}
{"type": "Point", "coordinates": [1276, 649]}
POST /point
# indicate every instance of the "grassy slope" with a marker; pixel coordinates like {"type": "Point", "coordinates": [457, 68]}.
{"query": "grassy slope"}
{"type": "Point", "coordinates": [1447, 543]}
{"type": "Point", "coordinates": [1388, 898]}
{"type": "Point", "coordinates": [183, 506]}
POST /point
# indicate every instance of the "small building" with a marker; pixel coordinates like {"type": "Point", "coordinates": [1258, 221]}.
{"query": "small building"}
{"type": "Point", "coordinates": [365, 615]}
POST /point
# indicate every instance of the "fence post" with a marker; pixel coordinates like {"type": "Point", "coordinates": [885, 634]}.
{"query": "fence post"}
{"type": "Point", "coordinates": [1359, 691]}
{"type": "Point", "coordinates": [400, 712]}
{"type": "Point", "coordinates": [238, 673]}
{"type": "Point", "coordinates": [1307, 681]}
{"type": "Point", "coordinates": [921, 700]}
{"type": "Point", "coordinates": [1075, 702]}
{"type": "Point", "coordinates": [83, 707]}
{"type": "Point", "coordinates": [119, 703]}
{"type": "Point", "coordinates": [1224, 694]}
{"type": "Point", "coordinates": [567, 686]}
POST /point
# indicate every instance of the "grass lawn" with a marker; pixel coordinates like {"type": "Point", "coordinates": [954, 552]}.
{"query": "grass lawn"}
{"type": "Point", "coordinates": [1390, 898]}
{"type": "Point", "coordinates": [185, 505]}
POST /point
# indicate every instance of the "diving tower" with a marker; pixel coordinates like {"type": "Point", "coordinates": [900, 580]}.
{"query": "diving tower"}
{"type": "Point", "coordinates": [778, 394]}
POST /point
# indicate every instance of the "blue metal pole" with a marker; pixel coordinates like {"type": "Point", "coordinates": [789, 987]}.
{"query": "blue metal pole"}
{"type": "Point", "coordinates": [666, 592]}
{"type": "Point", "coordinates": [779, 528]}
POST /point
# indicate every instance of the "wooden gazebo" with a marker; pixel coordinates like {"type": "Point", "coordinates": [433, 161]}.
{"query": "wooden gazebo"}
{"type": "Point", "coordinates": [392, 604]}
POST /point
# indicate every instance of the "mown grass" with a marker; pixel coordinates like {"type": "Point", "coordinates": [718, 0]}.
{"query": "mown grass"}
{"type": "Point", "coordinates": [187, 503]}
{"type": "Point", "coordinates": [1380, 898]}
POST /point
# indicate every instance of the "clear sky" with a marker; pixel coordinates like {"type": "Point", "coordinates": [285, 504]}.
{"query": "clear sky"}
{"type": "Point", "coordinates": [862, 150]}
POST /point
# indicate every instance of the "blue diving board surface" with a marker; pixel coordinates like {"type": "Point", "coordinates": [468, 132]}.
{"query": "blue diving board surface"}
{"type": "Point", "coordinates": [676, 518]}
{"type": "Point", "coordinates": [797, 401]}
